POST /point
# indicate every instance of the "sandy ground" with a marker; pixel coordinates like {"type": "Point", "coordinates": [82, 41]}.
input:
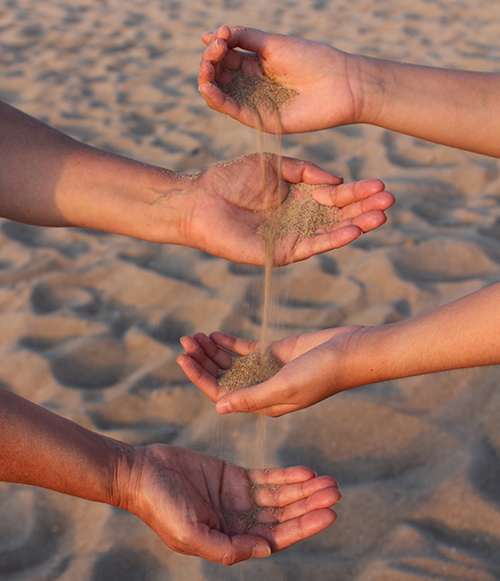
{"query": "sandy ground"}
{"type": "Point", "coordinates": [90, 322]}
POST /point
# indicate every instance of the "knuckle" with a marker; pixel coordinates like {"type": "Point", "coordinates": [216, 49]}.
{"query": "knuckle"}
{"type": "Point", "coordinates": [228, 558]}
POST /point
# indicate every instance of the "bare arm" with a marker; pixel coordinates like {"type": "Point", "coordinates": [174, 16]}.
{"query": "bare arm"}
{"type": "Point", "coordinates": [461, 334]}
{"type": "Point", "coordinates": [181, 494]}
{"type": "Point", "coordinates": [455, 108]}
{"type": "Point", "coordinates": [49, 179]}
{"type": "Point", "coordinates": [38, 447]}
{"type": "Point", "coordinates": [451, 107]}
{"type": "Point", "coordinates": [458, 335]}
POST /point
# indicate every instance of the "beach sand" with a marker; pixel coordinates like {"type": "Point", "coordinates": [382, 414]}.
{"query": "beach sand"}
{"type": "Point", "coordinates": [91, 322]}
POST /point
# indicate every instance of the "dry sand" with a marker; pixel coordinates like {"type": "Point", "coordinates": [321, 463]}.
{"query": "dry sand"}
{"type": "Point", "coordinates": [90, 322]}
{"type": "Point", "coordinates": [258, 90]}
{"type": "Point", "coordinates": [251, 369]}
{"type": "Point", "coordinates": [299, 213]}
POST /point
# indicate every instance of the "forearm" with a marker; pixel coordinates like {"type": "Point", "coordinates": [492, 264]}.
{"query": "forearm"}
{"type": "Point", "coordinates": [461, 334]}
{"type": "Point", "coordinates": [49, 179]}
{"type": "Point", "coordinates": [40, 448]}
{"type": "Point", "coordinates": [456, 108]}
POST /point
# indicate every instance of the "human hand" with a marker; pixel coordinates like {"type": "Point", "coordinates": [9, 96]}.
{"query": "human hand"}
{"type": "Point", "coordinates": [327, 94]}
{"type": "Point", "coordinates": [204, 506]}
{"type": "Point", "coordinates": [312, 370]}
{"type": "Point", "coordinates": [225, 205]}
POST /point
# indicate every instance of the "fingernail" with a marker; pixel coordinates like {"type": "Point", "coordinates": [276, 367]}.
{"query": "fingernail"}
{"type": "Point", "coordinates": [224, 407]}
{"type": "Point", "coordinates": [261, 552]}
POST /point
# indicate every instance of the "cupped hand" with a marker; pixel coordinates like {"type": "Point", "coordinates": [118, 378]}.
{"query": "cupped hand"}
{"type": "Point", "coordinates": [312, 370]}
{"type": "Point", "coordinates": [229, 201]}
{"type": "Point", "coordinates": [326, 92]}
{"type": "Point", "coordinates": [204, 506]}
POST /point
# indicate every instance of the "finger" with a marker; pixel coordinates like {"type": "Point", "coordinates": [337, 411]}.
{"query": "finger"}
{"type": "Point", "coordinates": [234, 344]}
{"type": "Point", "coordinates": [324, 498]}
{"type": "Point", "coordinates": [221, 358]}
{"type": "Point", "coordinates": [206, 37]}
{"type": "Point", "coordinates": [295, 530]}
{"type": "Point", "coordinates": [199, 376]}
{"type": "Point", "coordinates": [265, 398]}
{"type": "Point", "coordinates": [220, 548]}
{"type": "Point", "coordinates": [250, 39]}
{"type": "Point", "coordinates": [194, 350]}
{"type": "Point", "coordinates": [218, 53]}
{"type": "Point", "coordinates": [217, 100]}
{"type": "Point", "coordinates": [379, 201]}
{"type": "Point", "coordinates": [337, 236]}
{"type": "Point", "coordinates": [206, 73]}
{"type": "Point", "coordinates": [341, 235]}
{"type": "Point", "coordinates": [347, 193]}
{"type": "Point", "coordinates": [296, 171]}
{"type": "Point", "coordinates": [280, 476]}
{"type": "Point", "coordinates": [370, 220]}
{"type": "Point", "coordinates": [223, 32]}
{"type": "Point", "coordinates": [212, 59]}
{"type": "Point", "coordinates": [281, 496]}
{"type": "Point", "coordinates": [215, 51]}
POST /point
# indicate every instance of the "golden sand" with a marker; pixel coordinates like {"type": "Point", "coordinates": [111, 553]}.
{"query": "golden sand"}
{"type": "Point", "coordinates": [257, 90]}
{"type": "Point", "coordinates": [297, 214]}
{"type": "Point", "coordinates": [249, 370]}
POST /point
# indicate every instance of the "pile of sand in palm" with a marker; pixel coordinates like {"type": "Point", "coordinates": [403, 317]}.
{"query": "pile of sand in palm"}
{"type": "Point", "coordinates": [299, 213]}
{"type": "Point", "coordinates": [257, 90]}
{"type": "Point", "coordinates": [249, 370]}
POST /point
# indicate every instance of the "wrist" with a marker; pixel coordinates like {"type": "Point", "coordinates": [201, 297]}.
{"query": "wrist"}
{"type": "Point", "coordinates": [390, 351]}
{"type": "Point", "coordinates": [366, 357]}
{"type": "Point", "coordinates": [124, 476]}
{"type": "Point", "coordinates": [365, 77]}
{"type": "Point", "coordinates": [136, 475]}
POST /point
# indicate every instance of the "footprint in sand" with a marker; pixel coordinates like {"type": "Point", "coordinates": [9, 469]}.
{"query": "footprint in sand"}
{"type": "Point", "coordinates": [128, 564]}
{"type": "Point", "coordinates": [484, 472]}
{"type": "Point", "coordinates": [37, 237]}
{"type": "Point", "coordinates": [442, 260]}
{"type": "Point", "coordinates": [48, 298]}
{"type": "Point", "coordinates": [32, 533]}
{"type": "Point", "coordinates": [90, 363]}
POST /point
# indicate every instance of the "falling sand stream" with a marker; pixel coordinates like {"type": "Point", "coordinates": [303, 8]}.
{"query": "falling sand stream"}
{"type": "Point", "coordinates": [298, 213]}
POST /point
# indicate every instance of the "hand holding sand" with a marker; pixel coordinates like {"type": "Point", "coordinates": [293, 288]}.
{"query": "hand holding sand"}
{"type": "Point", "coordinates": [331, 88]}
{"type": "Point", "coordinates": [229, 204]}
{"type": "Point", "coordinates": [457, 335]}
{"type": "Point", "coordinates": [308, 372]}
{"type": "Point", "coordinates": [197, 504]}
{"type": "Point", "coordinates": [50, 179]}
{"type": "Point", "coordinates": [202, 505]}
{"type": "Point", "coordinates": [314, 75]}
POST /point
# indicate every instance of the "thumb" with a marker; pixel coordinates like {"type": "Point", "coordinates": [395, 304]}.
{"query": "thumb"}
{"type": "Point", "coordinates": [235, 549]}
{"type": "Point", "coordinates": [250, 39]}
{"type": "Point", "coordinates": [261, 398]}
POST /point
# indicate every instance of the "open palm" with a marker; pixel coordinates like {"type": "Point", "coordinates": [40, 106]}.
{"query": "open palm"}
{"type": "Point", "coordinates": [202, 505]}
{"type": "Point", "coordinates": [230, 201]}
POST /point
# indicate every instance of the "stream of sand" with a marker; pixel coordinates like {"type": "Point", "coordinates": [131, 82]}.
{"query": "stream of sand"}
{"type": "Point", "coordinates": [298, 213]}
